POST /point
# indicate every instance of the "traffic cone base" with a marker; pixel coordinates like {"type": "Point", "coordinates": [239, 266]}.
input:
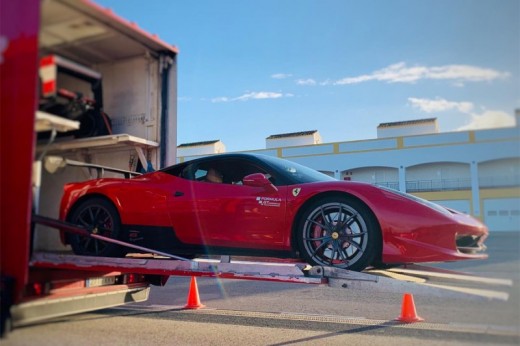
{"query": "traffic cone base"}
{"type": "Point", "coordinates": [408, 312]}
{"type": "Point", "coordinates": [193, 301]}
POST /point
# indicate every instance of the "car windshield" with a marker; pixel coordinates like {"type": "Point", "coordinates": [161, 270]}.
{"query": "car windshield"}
{"type": "Point", "coordinates": [297, 173]}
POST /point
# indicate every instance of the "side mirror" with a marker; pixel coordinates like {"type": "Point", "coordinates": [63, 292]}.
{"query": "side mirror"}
{"type": "Point", "coordinates": [258, 180]}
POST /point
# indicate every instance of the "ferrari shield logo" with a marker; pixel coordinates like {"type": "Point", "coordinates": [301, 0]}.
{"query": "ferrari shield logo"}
{"type": "Point", "coordinates": [296, 191]}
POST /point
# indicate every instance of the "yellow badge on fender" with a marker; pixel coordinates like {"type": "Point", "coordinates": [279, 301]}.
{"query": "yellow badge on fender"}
{"type": "Point", "coordinates": [296, 191]}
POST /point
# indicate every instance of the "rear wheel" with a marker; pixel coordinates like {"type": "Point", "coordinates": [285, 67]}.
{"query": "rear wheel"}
{"type": "Point", "coordinates": [102, 218]}
{"type": "Point", "coordinates": [339, 232]}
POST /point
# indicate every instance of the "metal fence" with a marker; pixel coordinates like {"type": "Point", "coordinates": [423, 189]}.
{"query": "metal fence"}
{"type": "Point", "coordinates": [500, 181]}
{"type": "Point", "coordinates": [438, 185]}
{"type": "Point", "coordinates": [457, 184]}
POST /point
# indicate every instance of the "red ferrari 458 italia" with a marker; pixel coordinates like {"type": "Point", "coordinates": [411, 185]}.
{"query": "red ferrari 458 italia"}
{"type": "Point", "coordinates": [256, 205]}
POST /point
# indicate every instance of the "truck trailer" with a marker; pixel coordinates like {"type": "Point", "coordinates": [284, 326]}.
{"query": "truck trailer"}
{"type": "Point", "coordinates": [77, 82]}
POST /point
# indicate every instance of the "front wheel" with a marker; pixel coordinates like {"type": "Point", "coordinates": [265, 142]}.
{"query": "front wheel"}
{"type": "Point", "coordinates": [339, 232]}
{"type": "Point", "coordinates": [100, 216]}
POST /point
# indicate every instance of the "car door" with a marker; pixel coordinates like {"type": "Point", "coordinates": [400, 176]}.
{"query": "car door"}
{"type": "Point", "coordinates": [228, 214]}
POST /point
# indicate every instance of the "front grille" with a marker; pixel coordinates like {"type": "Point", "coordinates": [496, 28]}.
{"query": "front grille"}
{"type": "Point", "coordinates": [469, 244]}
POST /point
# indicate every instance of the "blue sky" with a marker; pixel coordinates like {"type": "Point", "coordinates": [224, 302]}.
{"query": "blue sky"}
{"type": "Point", "coordinates": [250, 69]}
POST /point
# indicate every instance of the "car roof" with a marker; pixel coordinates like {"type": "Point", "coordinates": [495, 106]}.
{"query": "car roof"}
{"type": "Point", "coordinates": [260, 157]}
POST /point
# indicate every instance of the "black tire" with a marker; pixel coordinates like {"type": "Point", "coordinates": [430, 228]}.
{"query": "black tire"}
{"type": "Point", "coordinates": [102, 217]}
{"type": "Point", "coordinates": [353, 243]}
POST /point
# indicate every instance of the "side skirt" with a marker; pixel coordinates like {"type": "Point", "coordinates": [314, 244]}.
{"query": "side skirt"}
{"type": "Point", "coordinates": [164, 239]}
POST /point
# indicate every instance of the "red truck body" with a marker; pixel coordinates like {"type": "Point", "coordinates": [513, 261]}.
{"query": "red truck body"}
{"type": "Point", "coordinates": [19, 27]}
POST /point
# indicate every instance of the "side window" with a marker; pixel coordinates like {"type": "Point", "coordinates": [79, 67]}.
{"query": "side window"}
{"type": "Point", "coordinates": [200, 174]}
{"type": "Point", "coordinates": [228, 171]}
{"type": "Point", "coordinates": [238, 169]}
{"type": "Point", "coordinates": [204, 172]}
{"type": "Point", "coordinates": [177, 171]}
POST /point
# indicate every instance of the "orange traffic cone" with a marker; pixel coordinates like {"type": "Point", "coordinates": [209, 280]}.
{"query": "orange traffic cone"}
{"type": "Point", "coordinates": [193, 296]}
{"type": "Point", "coordinates": [408, 313]}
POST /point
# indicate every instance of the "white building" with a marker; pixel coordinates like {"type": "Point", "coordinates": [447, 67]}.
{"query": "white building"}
{"type": "Point", "coordinates": [293, 139]}
{"type": "Point", "coordinates": [476, 172]}
{"type": "Point", "coordinates": [201, 148]}
{"type": "Point", "coordinates": [408, 128]}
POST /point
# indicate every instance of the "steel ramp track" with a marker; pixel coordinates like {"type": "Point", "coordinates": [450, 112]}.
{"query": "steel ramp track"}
{"type": "Point", "coordinates": [207, 268]}
{"type": "Point", "coordinates": [419, 280]}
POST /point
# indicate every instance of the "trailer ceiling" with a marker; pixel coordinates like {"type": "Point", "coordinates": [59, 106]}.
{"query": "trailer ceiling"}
{"type": "Point", "coordinates": [85, 32]}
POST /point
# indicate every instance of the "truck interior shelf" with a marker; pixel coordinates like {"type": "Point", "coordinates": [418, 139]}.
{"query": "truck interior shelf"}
{"type": "Point", "coordinates": [100, 142]}
{"type": "Point", "coordinates": [47, 122]}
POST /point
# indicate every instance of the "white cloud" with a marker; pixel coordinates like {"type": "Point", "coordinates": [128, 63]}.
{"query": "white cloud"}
{"type": "Point", "coordinates": [486, 120]}
{"type": "Point", "coordinates": [306, 82]}
{"type": "Point", "coordinates": [440, 105]}
{"type": "Point", "coordinates": [281, 75]}
{"type": "Point", "coordinates": [260, 95]}
{"type": "Point", "coordinates": [489, 119]}
{"type": "Point", "coordinates": [326, 82]}
{"type": "Point", "coordinates": [220, 99]}
{"type": "Point", "coordinates": [401, 73]}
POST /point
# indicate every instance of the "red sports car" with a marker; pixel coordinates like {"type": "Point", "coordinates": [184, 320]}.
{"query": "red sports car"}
{"type": "Point", "coordinates": [257, 205]}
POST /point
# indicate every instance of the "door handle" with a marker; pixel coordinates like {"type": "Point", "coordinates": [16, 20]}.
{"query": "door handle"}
{"type": "Point", "coordinates": [178, 194]}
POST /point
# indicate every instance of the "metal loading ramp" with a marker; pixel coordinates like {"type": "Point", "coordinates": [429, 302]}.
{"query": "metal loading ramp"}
{"type": "Point", "coordinates": [423, 280]}
{"type": "Point", "coordinates": [415, 279]}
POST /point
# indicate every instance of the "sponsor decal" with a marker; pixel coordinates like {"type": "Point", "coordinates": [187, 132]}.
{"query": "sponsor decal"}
{"type": "Point", "coordinates": [269, 201]}
{"type": "Point", "coordinates": [296, 191]}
